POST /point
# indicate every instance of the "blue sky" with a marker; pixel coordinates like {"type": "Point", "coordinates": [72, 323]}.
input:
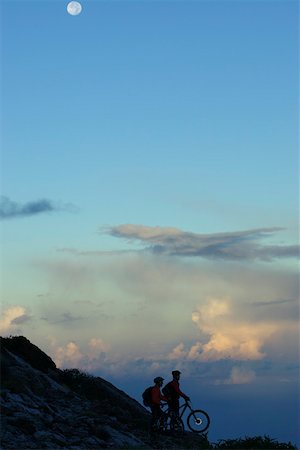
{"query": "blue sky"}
{"type": "Point", "coordinates": [149, 209]}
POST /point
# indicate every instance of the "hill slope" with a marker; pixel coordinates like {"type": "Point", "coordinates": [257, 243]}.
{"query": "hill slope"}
{"type": "Point", "coordinates": [43, 407]}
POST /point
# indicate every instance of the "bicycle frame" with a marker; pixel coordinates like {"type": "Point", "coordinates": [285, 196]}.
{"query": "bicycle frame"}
{"type": "Point", "coordinates": [182, 408]}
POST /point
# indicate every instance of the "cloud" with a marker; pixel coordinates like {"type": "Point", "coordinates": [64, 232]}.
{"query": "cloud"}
{"type": "Point", "coordinates": [212, 309]}
{"type": "Point", "coordinates": [12, 316]}
{"type": "Point", "coordinates": [97, 346]}
{"type": "Point", "coordinates": [96, 253]}
{"type": "Point", "coordinates": [212, 316]}
{"type": "Point", "coordinates": [238, 245]}
{"type": "Point", "coordinates": [227, 335]}
{"type": "Point", "coordinates": [275, 302]}
{"type": "Point", "coordinates": [125, 294]}
{"type": "Point", "coordinates": [178, 352]}
{"type": "Point", "coordinates": [239, 375]}
{"type": "Point", "coordinates": [230, 336]}
{"type": "Point", "coordinates": [65, 317]}
{"type": "Point", "coordinates": [13, 210]}
{"type": "Point", "coordinates": [73, 355]}
{"type": "Point", "coordinates": [70, 355]}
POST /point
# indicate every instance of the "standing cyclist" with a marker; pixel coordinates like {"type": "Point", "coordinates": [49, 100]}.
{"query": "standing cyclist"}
{"type": "Point", "coordinates": [156, 398]}
{"type": "Point", "coordinates": [173, 393]}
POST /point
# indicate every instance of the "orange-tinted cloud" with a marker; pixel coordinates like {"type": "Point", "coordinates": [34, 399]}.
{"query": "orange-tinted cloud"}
{"type": "Point", "coordinates": [11, 317]}
{"type": "Point", "coordinates": [228, 336]}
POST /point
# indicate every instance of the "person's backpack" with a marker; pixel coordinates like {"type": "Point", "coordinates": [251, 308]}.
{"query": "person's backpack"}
{"type": "Point", "coordinates": [168, 390]}
{"type": "Point", "coordinates": [147, 396]}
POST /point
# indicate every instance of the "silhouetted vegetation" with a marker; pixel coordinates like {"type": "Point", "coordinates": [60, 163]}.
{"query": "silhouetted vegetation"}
{"type": "Point", "coordinates": [253, 443]}
{"type": "Point", "coordinates": [80, 382]}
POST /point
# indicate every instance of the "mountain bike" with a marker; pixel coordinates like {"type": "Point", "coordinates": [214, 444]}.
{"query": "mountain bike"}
{"type": "Point", "coordinates": [169, 422]}
{"type": "Point", "coordinates": [197, 420]}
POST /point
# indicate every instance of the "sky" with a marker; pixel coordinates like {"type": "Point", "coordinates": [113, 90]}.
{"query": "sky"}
{"type": "Point", "coordinates": [149, 198]}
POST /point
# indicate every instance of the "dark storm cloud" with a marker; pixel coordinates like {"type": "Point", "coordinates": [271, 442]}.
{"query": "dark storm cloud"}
{"type": "Point", "coordinates": [13, 210]}
{"type": "Point", "coordinates": [237, 245]}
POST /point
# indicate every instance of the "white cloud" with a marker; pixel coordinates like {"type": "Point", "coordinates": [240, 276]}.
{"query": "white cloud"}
{"type": "Point", "coordinates": [178, 352]}
{"type": "Point", "coordinates": [70, 355]}
{"type": "Point", "coordinates": [97, 346]}
{"type": "Point", "coordinates": [73, 355]}
{"type": "Point", "coordinates": [212, 309]}
{"type": "Point", "coordinates": [151, 301]}
{"type": "Point", "coordinates": [230, 336]}
{"type": "Point", "coordinates": [11, 317]}
{"type": "Point", "coordinates": [240, 375]}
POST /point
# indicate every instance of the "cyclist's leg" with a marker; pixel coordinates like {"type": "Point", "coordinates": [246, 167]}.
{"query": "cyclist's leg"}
{"type": "Point", "coordinates": [174, 412]}
{"type": "Point", "coordinates": [161, 420]}
{"type": "Point", "coordinates": [152, 420]}
{"type": "Point", "coordinates": [156, 413]}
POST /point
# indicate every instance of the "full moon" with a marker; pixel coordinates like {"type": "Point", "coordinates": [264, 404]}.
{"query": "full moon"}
{"type": "Point", "coordinates": [74, 8]}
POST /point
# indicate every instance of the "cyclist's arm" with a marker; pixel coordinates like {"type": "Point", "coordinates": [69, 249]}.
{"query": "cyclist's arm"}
{"type": "Point", "coordinates": [182, 394]}
{"type": "Point", "coordinates": [163, 398]}
{"type": "Point", "coordinates": [186, 397]}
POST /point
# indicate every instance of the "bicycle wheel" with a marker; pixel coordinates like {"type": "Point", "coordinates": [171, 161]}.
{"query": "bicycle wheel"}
{"type": "Point", "coordinates": [198, 421]}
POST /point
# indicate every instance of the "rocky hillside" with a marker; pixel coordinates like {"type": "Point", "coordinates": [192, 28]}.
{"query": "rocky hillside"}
{"type": "Point", "coordinates": [45, 407]}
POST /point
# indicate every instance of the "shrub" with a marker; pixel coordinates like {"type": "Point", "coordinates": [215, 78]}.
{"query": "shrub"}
{"type": "Point", "coordinates": [253, 443]}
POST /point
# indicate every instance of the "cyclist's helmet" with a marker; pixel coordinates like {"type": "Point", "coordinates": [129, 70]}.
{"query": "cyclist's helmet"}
{"type": "Point", "coordinates": [158, 380]}
{"type": "Point", "coordinates": [176, 372]}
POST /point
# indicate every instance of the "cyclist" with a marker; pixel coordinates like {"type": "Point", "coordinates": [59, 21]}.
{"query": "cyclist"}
{"type": "Point", "coordinates": [156, 398]}
{"type": "Point", "coordinates": [173, 393]}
